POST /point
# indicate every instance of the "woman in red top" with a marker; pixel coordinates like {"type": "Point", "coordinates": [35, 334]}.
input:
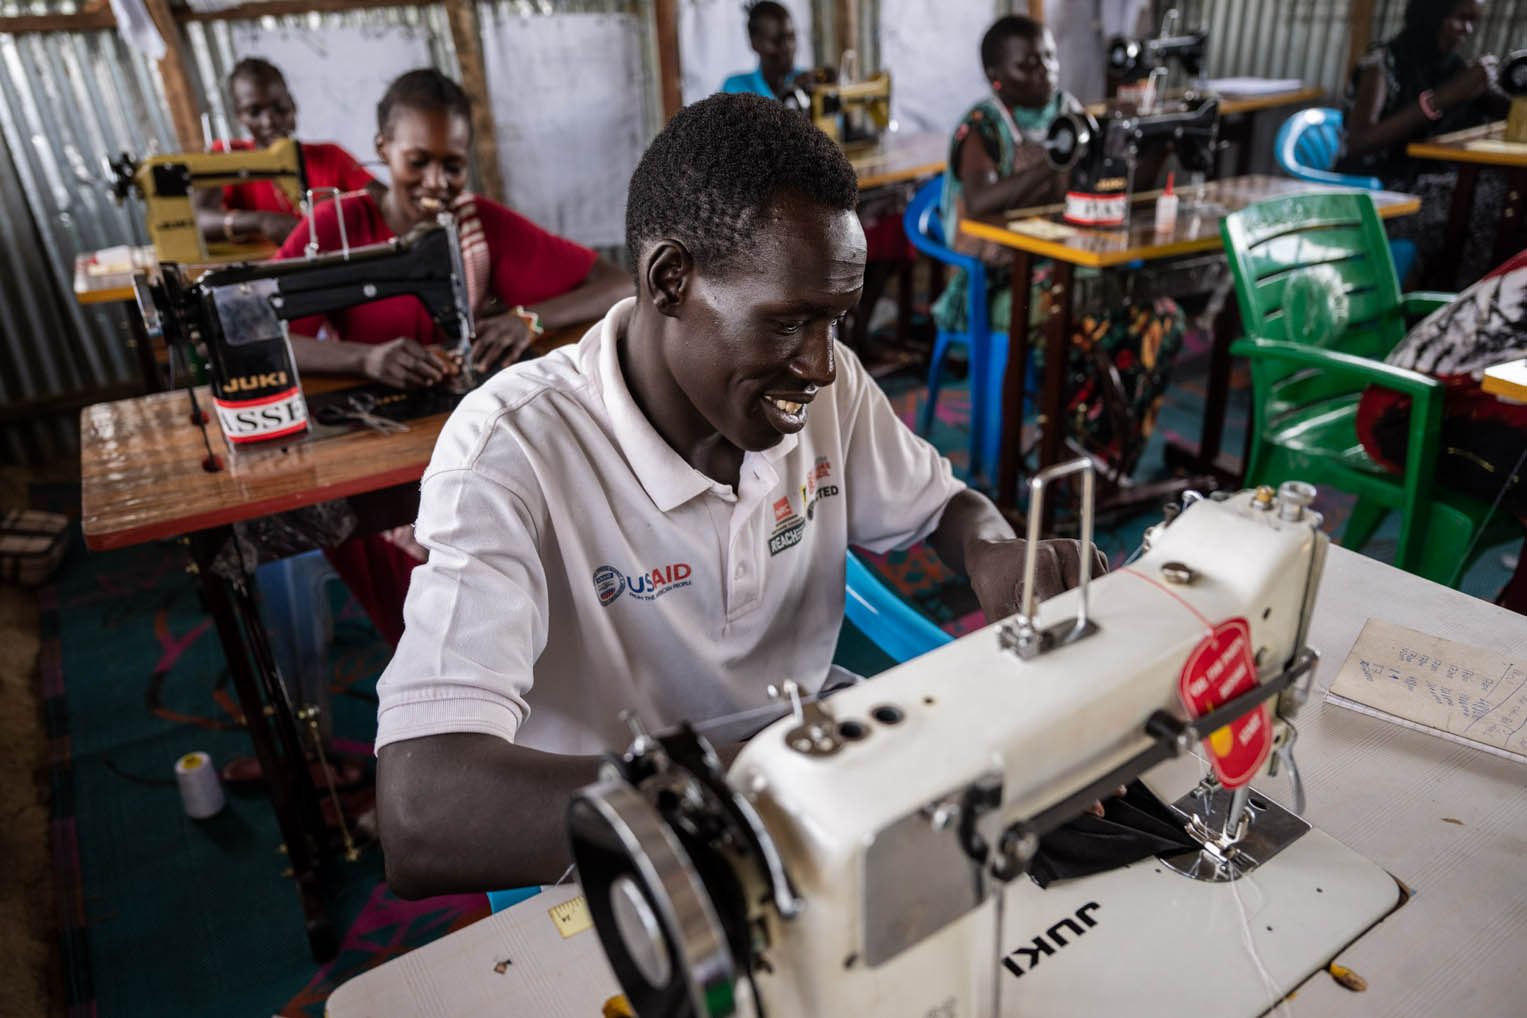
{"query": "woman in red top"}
{"type": "Point", "coordinates": [424, 136]}
{"type": "Point", "coordinates": [259, 210]}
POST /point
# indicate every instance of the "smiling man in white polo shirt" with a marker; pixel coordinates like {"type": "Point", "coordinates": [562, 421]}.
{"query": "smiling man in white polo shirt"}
{"type": "Point", "coordinates": [658, 518]}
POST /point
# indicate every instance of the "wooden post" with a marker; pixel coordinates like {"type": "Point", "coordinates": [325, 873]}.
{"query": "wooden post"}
{"type": "Point", "coordinates": [466, 36]}
{"type": "Point", "coordinates": [1360, 31]}
{"type": "Point", "coordinates": [184, 101]}
{"type": "Point", "coordinates": [665, 14]}
{"type": "Point", "coordinates": [846, 30]}
{"type": "Point", "coordinates": [1037, 10]}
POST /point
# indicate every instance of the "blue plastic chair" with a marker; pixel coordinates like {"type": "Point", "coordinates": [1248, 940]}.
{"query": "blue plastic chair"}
{"type": "Point", "coordinates": [1306, 148]}
{"type": "Point", "coordinates": [879, 613]}
{"type": "Point", "coordinates": [988, 350]}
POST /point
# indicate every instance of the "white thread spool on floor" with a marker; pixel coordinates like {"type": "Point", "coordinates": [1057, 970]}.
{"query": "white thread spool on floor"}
{"type": "Point", "coordinates": [200, 790]}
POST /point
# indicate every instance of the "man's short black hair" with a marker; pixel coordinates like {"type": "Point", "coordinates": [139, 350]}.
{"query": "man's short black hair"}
{"type": "Point", "coordinates": [764, 9]}
{"type": "Point", "coordinates": [718, 167]}
{"type": "Point", "coordinates": [425, 90]}
{"type": "Point", "coordinates": [1013, 26]}
{"type": "Point", "coordinates": [256, 71]}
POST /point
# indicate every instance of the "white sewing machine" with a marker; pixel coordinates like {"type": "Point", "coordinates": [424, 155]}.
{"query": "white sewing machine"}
{"type": "Point", "coordinates": [865, 856]}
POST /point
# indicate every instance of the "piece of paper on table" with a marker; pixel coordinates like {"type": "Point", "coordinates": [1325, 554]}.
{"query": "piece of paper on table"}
{"type": "Point", "coordinates": [1044, 229]}
{"type": "Point", "coordinates": [1249, 87]}
{"type": "Point", "coordinates": [1496, 146]}
{"type": "Point", "coordinates": [1460, 693]}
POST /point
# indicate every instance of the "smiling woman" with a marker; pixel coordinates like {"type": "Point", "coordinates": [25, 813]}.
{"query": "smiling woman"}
{"type": "Point", "coordinates": [424, 135]}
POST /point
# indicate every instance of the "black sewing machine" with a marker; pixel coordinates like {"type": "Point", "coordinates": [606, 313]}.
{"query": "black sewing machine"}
{"type": "Point", "coordinates": [239, 315]}
{"type": "Point", "coordinates": [1102, 155]}
{"type": "Point", "coordinates": [1132, 62]}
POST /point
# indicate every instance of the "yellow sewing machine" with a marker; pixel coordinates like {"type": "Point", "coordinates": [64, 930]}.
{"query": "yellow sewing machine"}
{"type": "Point", "coordinates": [853, 114]}
{"type": "Point", "coordinates": [168, 184]}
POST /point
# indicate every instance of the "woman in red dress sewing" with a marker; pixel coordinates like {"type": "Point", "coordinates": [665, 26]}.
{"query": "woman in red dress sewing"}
{"type": "Point", "coordinates": [424, 136]}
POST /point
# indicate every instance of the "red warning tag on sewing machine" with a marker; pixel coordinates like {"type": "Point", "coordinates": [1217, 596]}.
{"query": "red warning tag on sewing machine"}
{"type": "Point", "coordinates": [1220, 669]}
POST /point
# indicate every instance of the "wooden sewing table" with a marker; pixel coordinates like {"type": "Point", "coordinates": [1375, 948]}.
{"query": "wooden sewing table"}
{"type": "Point", "coordinates": [1469, 150]}
{"type": "Point", "coordinates": [1040, 232]}
{"type": "Point", "coordinates": [143, 479]}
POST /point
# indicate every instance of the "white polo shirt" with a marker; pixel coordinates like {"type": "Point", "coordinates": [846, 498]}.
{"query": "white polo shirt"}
{"type": "Point", "coordinates": [578, 565]}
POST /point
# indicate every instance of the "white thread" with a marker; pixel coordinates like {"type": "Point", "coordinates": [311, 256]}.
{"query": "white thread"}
{"type": "Point", "coordinates": [1280, 1002]}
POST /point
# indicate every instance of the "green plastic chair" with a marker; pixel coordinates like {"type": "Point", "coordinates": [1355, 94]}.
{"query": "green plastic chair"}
{"type": "Point", "coordinates": [1321, 308]}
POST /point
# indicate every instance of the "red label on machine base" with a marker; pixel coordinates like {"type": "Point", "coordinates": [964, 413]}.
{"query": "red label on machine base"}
{"type": "Point", "coordinates": [1111, 209]}
{"type": "Point", "coordinates": [1220, 669]}
{"type": "Point", "coordinates": [260, 420]}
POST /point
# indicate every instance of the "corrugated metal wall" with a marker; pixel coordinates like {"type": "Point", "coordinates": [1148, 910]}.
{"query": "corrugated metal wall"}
{"type": "Point", "coordinates": [212, 48]}
{"type": "Point", "coordinates": [1308, 39]}
{"type": "Point", "coordinates": [67, 101]}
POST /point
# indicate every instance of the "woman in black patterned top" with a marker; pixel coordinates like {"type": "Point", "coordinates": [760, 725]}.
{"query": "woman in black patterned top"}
{"type": "Point", "coordinates": [1416, 86]}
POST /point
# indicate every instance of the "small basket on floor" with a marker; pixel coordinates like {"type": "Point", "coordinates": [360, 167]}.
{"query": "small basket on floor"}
{"type": "Point", "coordinates": [32, 544]}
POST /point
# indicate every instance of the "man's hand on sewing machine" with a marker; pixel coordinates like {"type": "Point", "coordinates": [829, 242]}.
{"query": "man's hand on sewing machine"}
{"type": "Point", "coordinates": [402, 364]}
{"type": "Point", "coordinates": [501, 340]}
{"type": "Point", "coordinates": [974, 538]}
{"type": "Point", "coordinates": [996, 572]}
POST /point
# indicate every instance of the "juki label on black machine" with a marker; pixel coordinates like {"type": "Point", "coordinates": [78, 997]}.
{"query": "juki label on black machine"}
{"type": "Point", "coordinates": [254, 377]}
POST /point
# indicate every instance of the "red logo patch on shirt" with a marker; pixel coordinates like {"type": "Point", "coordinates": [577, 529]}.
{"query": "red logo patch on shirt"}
{"type": "Point", "coordinates": [782, 510]}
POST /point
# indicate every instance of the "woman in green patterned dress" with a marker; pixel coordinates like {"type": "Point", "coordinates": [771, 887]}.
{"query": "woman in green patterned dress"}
{"type": "Point", "coordinates": [997, 161]}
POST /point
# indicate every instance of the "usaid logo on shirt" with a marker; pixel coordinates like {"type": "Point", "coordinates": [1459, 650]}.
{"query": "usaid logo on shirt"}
{"type": "Point", "coordinates": [610, 583]}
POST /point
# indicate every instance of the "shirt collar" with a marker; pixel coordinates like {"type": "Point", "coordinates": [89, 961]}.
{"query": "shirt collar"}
{"type": "Point", "coordinates": [666, 476]}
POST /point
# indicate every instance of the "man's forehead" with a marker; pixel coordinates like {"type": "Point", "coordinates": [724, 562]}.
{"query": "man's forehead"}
{"type": "Point", "coordinates": [800, 226]}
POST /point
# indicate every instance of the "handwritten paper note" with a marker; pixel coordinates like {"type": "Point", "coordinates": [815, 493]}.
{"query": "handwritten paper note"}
{"type": "Point", "coordinates": [1433, 685]}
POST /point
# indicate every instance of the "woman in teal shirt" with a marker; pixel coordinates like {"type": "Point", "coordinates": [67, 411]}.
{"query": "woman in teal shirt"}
{"type": "Point", "coordinates": [997, 161]}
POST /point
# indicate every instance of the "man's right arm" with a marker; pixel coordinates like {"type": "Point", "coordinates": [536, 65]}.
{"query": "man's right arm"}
{"type": "Point", "coordinates": [466, 812]}
{"type": "Point", "coordinates": [461, 807]}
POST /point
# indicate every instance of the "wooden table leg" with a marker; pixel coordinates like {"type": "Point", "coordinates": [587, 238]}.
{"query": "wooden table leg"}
{"type": "Point", "coordinates": [1014, 378]}
{"type": "Point", "coordinates": [1509, 232]}
{"type": "Point", "coordinates": [1205, 459]}
{"type": "Point", "coordinates": [1059, 327]}
{"type": "Point", "coordinates": [1458, 217]}
{"type": "Point", "coordinates": [273, 730]}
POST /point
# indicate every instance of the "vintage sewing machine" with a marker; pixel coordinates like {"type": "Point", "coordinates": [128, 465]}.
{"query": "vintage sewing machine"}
{"type": "Point", "coordinates": [1102, 154]}
{"type": "Point", "coordinates": [1513, 81]}
{"type": "Point", "coordinates": [167, 184]}
{"type": "Point", "coordinates": [853, 114]}
{"type": "Point", "coordinates": [866, 854]}
{"type": "Point", "coordinates": [1137, 68]}
{"type": "Point", "coordinates": [239, 313]}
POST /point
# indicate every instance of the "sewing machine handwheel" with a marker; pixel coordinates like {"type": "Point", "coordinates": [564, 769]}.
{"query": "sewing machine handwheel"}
{"type": "Point", "coordinates": [1068, 137]}
{"type": "Point", "coordinates": [652, 909]}
{"type": "Point", "coordinates": [1513, 75]}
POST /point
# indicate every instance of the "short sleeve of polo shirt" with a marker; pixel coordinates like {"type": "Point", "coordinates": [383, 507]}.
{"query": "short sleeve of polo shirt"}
{"type": "Point", "coordinates": [530, 264]}
{"type": "Point", "coordinates": [475, 619]}
{"type": "Point", "coordinates": [896, 483]}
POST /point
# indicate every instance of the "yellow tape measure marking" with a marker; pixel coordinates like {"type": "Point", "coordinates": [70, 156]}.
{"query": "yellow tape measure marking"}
{"type": "Point", "coordinates": [571, 917]}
